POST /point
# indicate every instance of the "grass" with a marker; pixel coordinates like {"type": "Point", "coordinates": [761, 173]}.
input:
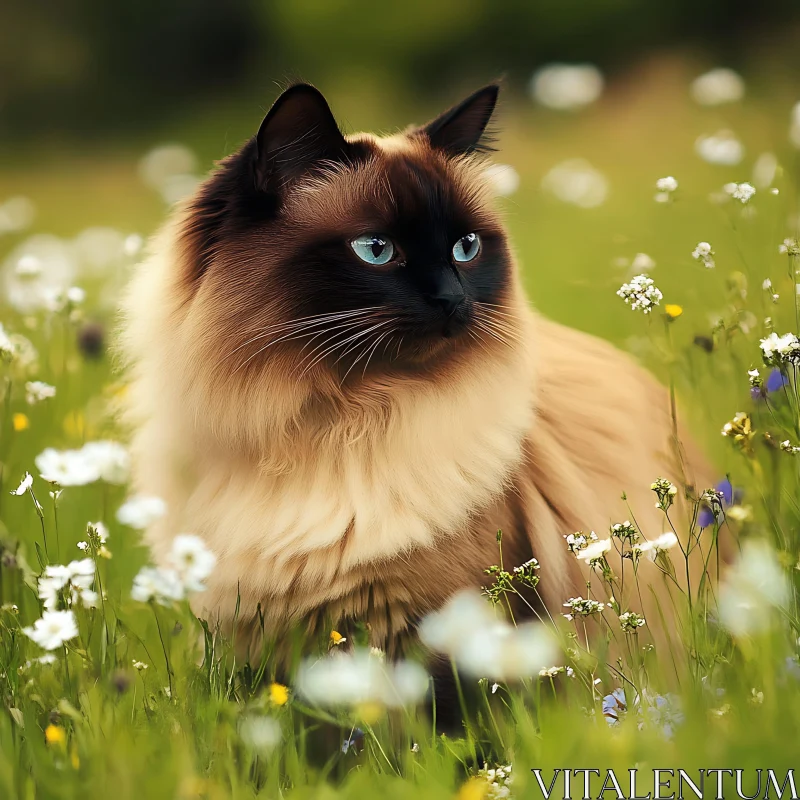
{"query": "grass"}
{"type": "Point", "coordinates": [192, 723]}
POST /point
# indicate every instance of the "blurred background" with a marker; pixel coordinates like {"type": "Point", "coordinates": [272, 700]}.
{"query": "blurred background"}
{"type": "Point", "coordinates": [109, 112]}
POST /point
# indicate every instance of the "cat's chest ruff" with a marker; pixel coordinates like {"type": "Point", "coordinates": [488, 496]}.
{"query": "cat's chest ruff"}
{"type": "Point", "coordinates": [374, 497]}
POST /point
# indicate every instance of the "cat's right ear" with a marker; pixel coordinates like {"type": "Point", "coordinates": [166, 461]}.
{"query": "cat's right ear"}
{"type": "Point", "coordinates": [298, 132]}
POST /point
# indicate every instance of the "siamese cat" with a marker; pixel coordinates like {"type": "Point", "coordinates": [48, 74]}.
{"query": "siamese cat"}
{"type": "Point", "coordinates": [338, 382]}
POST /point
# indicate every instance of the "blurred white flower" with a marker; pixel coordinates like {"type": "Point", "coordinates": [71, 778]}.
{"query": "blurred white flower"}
{"type": "Point", "coordinates": [141, 511]}
{"type": "Point", "coordinates": [720, 148]}
{"type": "Point", "coordinates": [66, 467]}
{"type": "Point", "coordinates": [717, 86]}
{"type": "Point", "coordinates": [171, 170]}
{"type": "Point", "coordinates": [16, 214]}
{"type": "Point", "coordinates": [668, 184]}
{"type": "Point", "coordinates": [765, 170]}
{"type": "Point", "coordinates": [483, 645]}
{"type": "Point", "coordinates": [576, 181]}
{"type": "Point", "coordinates": [53, 629]}
{"type": "Point", "coordinates": [132, 245]}
{"type": "Point", "coordinates": [28, 266]}
{"type": "Point", "coordinates": [260, 733]}
{"type": "Point", "coordinates": [642, 263]}
{"type": "Point", "coordinates": [794, 126]}
{"type": "Point", "coordinates": [567, 86]}
{"type": "Point", "coordinates": [76, 578]}
{"type": "Point", "coordinates": [192, 560]}
{"type": "Point", "coordinates": [37, 391]}
{"type": "Point", "coordinates": [655, 546]}
{"type": "Point", "coordinates": [503, 178]}
{"type": "Point", "coordinates": [752, 588]}
{"type": "Point", "coordinates": [161, 585]}
{"type": "Point", "coordinates": [353, 678]}
{"type": "Point", "coordinates": [98, 250]}
{"type": "Point", "coordinates": [640, 293]}
{"type": "Point", "coordinates": [27, 482]}
{"type": "Point", "coordinates": [49, 266]}
{"type": "Point", "coordinates": [110, 459]}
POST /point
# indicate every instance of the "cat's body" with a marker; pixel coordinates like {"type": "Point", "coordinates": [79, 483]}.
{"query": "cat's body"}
{"type": "Point", "coordinates": [366, 479]}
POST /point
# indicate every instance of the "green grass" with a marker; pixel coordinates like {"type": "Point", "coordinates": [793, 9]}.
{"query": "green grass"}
{"type": "Point", "coordinates": [115, 730]}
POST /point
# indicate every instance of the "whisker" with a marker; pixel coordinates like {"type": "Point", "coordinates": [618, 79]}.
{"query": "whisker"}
{"type": "Point", "coordinates": [304, 322]}
{"type": "Point", "coordinates": [335, 346]}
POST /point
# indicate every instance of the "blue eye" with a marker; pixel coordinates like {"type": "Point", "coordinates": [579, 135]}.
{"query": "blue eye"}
{"type": "Point", "coordinates": [467, 247]}
{"type": "Point", "coordinates": [373, 249]}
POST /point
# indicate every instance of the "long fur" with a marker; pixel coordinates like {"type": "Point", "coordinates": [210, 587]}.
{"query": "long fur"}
{"type": "Point", "coordinates": [377, 496]}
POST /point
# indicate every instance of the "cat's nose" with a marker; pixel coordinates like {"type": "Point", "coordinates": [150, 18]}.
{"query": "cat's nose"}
{"type": "Point", "coordinates": [449, 301]}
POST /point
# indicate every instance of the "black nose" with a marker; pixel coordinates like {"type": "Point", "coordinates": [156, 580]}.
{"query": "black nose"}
{"type": "Point", "coordinates": [449, 301]}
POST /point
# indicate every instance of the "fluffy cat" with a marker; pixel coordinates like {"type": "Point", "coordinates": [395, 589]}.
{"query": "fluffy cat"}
{"type": "Point", "coordinates": [337, 382]}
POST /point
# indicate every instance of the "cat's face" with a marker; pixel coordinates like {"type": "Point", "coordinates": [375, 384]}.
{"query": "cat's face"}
{"type": "Point", "coordinates": [353, 256]}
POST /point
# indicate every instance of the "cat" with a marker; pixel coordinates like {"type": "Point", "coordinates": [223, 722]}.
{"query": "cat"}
{"type": "Point", "coordinates": [338, 383]}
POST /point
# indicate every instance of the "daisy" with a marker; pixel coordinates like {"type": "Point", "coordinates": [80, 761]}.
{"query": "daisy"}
{"type": "Point", "coordinates": [53, 629]}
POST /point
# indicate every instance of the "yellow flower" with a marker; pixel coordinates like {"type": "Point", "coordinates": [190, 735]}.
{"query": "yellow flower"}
{"type": "Point", "coordinates": [75, 425]}
{"type": "Point", "coordinates": [369, 713]}
{"type": "Point", "coordinates": [337, 638]}
{"type": "Point", "coordinates": [473, 789]}
{"type": "Point", "coordinates": [20, 422]}
{"type": "Point", "coordinates": [278, 694]}
{"type": "Point", "coordinates": [54, 734]}
{"type": "Point", "coordinates": [673, 310]}
{"type": "Point", "coordinates": [73, 757]}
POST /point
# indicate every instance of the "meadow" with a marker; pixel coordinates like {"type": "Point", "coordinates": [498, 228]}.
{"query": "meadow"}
{"type": "Point", "coordinates": [125, 691]}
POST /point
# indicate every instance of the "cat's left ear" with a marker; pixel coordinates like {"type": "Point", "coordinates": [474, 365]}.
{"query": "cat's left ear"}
{"type": "Point", "coordinates": [462, 129]}
{"type": "Point", "coordinates": [298, 133]}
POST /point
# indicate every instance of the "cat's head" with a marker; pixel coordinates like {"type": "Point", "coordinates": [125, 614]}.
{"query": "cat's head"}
{"type": "Point", "coordinates": [350, 257]}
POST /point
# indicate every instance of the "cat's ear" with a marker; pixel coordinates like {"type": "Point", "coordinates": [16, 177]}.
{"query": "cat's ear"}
{"type": "Point", "coordinates": [298, 132]}
{"type": "Point", "coordinates": [462, 129]}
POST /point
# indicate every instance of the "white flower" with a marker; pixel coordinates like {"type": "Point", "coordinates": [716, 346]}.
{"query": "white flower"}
{"type": "Point", "coordinates": [704, 254]}
{"type": "Point", "coordinates": [66, 467]}
{"type": "Point", "coordinates": [595, 550]}
{"type": "Point", "coordinates": [764, 170]}
{"type": "Point", "coordinates": [658, 545]}
{"type": "Point", "coordinates": [503, 179]}
{"type": "Point", "coordinates": [780, 350]}
{"type": "Point", "coordinates": [718, 86]}
{"type": "Point", "coordinates": [161, 585]}
{"type": "Point", "coordinates": [743, 192]}
{"type": "Point", "coordinates": [630, 621]}
{"type": "Point", "coordinates": [485, 646]}
{"type": "Point", "coordinates": [578, 541]}
{"type": "Point", "coordinates": [260, 733]}
{"type": "Point", "coordinates": [28, 266]}
{"type": "Point", "coordinates": [752, 587]}
{"type": "Point", "coordinates": [192, 560]}
{"type": "Point", "coordinates": [36, 391]}
{"type": "Point", "coordinates": [27, 482]}
{"type": "Point", "coordinates": [353, 678]}
{"type": "Point", "coordinates": [77, 577]}
{"type": "Point", "coordinates": [140, 665]}
{"type": "Point", "coordinates": [567, 86]}
{"type": "Point", "coordinates": [720, 148]}
{"type": "Point", "coordinates": [789, 247]}
{"type": "Point", "coordinates": [754, 376]}
{"type": "Point", "coordinates": [7, 349]}
{"type": "Point", "coordinates": [75, 295]}
{"type": "Point", "coordinates": [794, 127]}
{"type": "Point", "coordinates": [141, 511]}
{"type": "Point", "coordinates": [53, 629]}
{"type": "Point", "coordinates": [110, 459]}
{"type": "Point", "coordinates": [642, 262]}
{"type": "Point", "coordinates": [583, 607]}
{"type": "Point", "coordinates": [577, 182]}
{"type": "Point", "coordinates": [668, 184]}
{"type": "Point", "coordinates": [640, 293]}
{"type": "Point", "coordinates": [132, 245]}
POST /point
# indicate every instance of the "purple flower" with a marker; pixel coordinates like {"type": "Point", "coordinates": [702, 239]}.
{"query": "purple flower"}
{"type": "Point", "coordinates": [776, 381]}
{"type": "Point", "coordinates": [614, 706]}
{"type": "Point", "coordinates": [713, 509]}
{"type": "Point", "coordinates": [354, 741]}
